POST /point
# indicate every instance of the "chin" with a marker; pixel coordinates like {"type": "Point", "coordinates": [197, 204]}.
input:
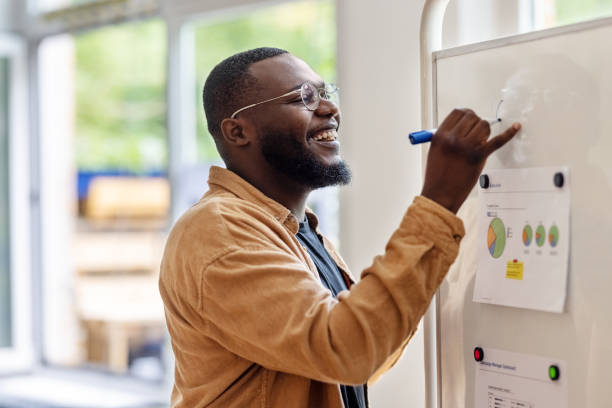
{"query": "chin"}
{"type": "Point", "coordinates": [332, 163]}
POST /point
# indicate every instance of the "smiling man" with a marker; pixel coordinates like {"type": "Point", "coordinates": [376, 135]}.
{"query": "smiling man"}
{"type": "Point", "coordinates": [261, 309]}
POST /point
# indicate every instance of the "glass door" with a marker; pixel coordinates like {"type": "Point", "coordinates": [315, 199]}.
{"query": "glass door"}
{"type": "Point", "coordinates": [15, 309]}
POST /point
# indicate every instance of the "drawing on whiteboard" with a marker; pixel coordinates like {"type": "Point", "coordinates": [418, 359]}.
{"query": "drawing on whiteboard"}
{"type": "Point", "coordinates": [496, 238]}
{"type": "Point", "coordinates": [511, 271]}
{"type": "Point", "coordinates": [497, 110]}
{"type": "Point", "coordinates": [528, 95]}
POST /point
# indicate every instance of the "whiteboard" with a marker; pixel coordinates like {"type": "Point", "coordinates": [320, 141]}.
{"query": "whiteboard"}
{"type": "Point", "coordinates": [558, 83]}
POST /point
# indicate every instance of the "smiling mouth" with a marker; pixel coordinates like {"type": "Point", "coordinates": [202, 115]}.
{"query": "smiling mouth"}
{"type": "Point", "coordinates": [326, 136]}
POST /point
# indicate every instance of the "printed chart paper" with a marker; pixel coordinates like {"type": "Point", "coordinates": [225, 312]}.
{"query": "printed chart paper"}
{"type": "Point", "coordinates": [524, 228]}
{"type": "Point", "coordinates": [513, 380]}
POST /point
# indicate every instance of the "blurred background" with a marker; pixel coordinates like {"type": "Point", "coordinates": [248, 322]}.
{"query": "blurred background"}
{"type": "Point", "coordinates": [103, 143]}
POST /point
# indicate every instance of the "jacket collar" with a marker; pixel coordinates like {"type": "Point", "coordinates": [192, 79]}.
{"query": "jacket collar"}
{"type": "Point", "coordinates": [220, 177]}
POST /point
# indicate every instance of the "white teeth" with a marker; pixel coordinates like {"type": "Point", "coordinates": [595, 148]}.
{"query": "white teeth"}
{"type": "Point", "coordinates": [327, 136]}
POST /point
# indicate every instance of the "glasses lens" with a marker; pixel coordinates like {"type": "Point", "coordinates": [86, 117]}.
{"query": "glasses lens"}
{"type": "Point", "coordinates": [310, 96]}
{"type": "Point", "coordinates": [331, 94]}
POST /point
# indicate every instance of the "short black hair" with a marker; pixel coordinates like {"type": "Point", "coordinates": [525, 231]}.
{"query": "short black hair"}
{"type": "Point", "coordinates": [229, 82]}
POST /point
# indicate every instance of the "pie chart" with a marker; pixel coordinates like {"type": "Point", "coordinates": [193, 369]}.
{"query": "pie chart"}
{"type": "Point", "coordinates": [496, 238]}
{"type": "Point", "coordinates": [553, 236]}
{"type": "Point", "coordinates": [540, 235]}
{"type": "Point", "coordinates": [527, 235]}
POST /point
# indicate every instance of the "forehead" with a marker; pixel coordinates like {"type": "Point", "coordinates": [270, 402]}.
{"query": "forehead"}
{"type": "Point", "coordinates": [282, 73]}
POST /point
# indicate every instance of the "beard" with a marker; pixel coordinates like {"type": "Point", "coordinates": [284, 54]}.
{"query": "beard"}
{"type": "Point", "coordinates": [285, 154]}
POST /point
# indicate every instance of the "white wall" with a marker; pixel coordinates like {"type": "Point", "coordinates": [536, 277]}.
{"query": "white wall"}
{"type": "Point", "coordinates": [378, 75]}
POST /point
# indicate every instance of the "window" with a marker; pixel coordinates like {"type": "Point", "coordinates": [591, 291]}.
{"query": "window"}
{"type": "Point", "coordinates": [103, 155]}
{"type": "Point", "coordinates": [550, 13]}
{"type": "Point", "coordinates": [120, 98]}
{"type": "Point", "coordinates": [104, 198]}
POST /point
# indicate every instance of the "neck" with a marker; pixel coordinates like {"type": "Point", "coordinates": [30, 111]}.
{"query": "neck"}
{"type": "Point", "coordinates": [280, 188]}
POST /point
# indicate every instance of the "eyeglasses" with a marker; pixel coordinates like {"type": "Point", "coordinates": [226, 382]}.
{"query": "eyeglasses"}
{"type": "Point", "coordinates": [311, 96]}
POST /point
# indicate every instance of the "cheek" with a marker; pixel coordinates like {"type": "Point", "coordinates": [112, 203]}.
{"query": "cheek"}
{"type": "Point", "coordinates": [289, 120]}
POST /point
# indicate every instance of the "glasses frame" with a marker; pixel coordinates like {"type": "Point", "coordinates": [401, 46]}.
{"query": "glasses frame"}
{"type": "Point", "coordinates": [322, 93]}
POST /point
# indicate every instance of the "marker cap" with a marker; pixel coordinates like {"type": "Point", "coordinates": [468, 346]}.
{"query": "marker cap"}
{"type": "Point", "coordinates": [421, 136]}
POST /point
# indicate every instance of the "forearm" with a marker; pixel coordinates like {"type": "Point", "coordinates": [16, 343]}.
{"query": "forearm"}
{"type": "Point", "coordinates": [385, 307]}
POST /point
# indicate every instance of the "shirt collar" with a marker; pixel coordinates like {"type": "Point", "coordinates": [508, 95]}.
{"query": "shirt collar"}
{"type": "Point", "coordinates": [311, 218]}
{"type": "Point", "coordinates": [219, 177]}
{"type": "Point", "coordinates": [313, 221]}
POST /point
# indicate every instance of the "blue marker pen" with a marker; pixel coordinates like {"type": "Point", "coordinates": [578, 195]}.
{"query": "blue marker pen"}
{"type": "Point", "coordinates": [424, 136]}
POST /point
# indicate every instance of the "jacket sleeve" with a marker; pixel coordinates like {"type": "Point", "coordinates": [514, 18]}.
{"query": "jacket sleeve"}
{"type": "Point", "coordinates": [389, 363]}
{"type": "Point", "coordinates": [263, 304]}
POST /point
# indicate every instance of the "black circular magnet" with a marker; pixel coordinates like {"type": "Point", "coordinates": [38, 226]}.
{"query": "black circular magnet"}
{"type": "Point", "coordinates": [478, 354]}
{"type": "Point", "coordinates": [558, 179]}
{"type": "Point", "coordinates": [554, 373]}
{"type": "Point", "coordinates": [484, 181]}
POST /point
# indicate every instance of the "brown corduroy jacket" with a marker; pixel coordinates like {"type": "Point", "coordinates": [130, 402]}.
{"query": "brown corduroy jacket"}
{"type": "Point", "coordinates": [251, 324]}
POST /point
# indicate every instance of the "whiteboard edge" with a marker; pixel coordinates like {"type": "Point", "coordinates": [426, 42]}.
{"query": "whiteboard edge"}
{"type": "Point", "coordinates": [517, 39]}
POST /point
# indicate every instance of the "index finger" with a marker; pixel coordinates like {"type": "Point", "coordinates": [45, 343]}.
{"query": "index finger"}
{"type": "Point", "coordinates": [501, 139]}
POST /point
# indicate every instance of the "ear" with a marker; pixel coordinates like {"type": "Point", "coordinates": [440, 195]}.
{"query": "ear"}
{"type": "Point", "coordinates": [234, 133]}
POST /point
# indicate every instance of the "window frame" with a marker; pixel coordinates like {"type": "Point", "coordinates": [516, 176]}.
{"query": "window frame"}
{"type": "Point", "coordinates": [20, 355]}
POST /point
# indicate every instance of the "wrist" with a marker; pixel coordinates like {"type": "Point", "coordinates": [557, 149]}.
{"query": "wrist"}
{"type": "Point", "coordinates": [442, 199]}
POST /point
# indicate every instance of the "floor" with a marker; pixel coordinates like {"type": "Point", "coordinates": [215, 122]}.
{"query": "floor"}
{"type": "Point", "coordinates": [64, 388]}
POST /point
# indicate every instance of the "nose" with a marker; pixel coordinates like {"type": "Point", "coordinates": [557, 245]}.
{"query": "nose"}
{"type": "Point", "coordinates": [327, 108]}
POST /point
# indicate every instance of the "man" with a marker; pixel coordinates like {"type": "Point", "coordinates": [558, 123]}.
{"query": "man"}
{"type": "Point", "coordinates": [257, 301]}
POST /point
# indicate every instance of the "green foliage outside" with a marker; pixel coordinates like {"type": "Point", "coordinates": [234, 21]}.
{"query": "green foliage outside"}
{"type": "Point", "coordinates": [307, 29]}
{"type": "Point", "coordinates": [121, 97]}
{"type": "Point", "coordinates": [572, 11]}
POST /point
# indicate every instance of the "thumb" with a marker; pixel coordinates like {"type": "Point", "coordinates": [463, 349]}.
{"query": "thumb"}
{"type": "Point", "coordinates": [501, 139]}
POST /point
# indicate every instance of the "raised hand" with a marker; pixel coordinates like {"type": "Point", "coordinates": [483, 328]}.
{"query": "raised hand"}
{"type": "Point", "coordinates": [457, 155]}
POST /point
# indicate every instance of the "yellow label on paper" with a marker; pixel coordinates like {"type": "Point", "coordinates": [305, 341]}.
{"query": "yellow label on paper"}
{"type": "Point", "coordinates": [514, 270]}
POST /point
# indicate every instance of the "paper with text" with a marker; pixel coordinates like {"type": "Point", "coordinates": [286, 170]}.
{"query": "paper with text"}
{"type": "Point", "coordinates": [513, 380]}
{"type": "Point", "coordinates": [524, 247]}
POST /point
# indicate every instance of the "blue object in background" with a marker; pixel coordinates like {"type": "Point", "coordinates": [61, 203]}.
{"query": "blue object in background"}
{"type": "Point", "coordinates": [84, 178]}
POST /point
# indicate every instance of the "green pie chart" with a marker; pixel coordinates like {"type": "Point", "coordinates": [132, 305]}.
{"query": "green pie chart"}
{"type": "Point", "coordinates": [540, 235]}
{"type": "Point", "coordinates": [496, 238]}
{"type": "Point", "coordinates": [553, 236]}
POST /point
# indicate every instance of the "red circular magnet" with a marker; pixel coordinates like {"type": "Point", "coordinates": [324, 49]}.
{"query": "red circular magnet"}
{"type": "Point", "coordinates": [478, 354]}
